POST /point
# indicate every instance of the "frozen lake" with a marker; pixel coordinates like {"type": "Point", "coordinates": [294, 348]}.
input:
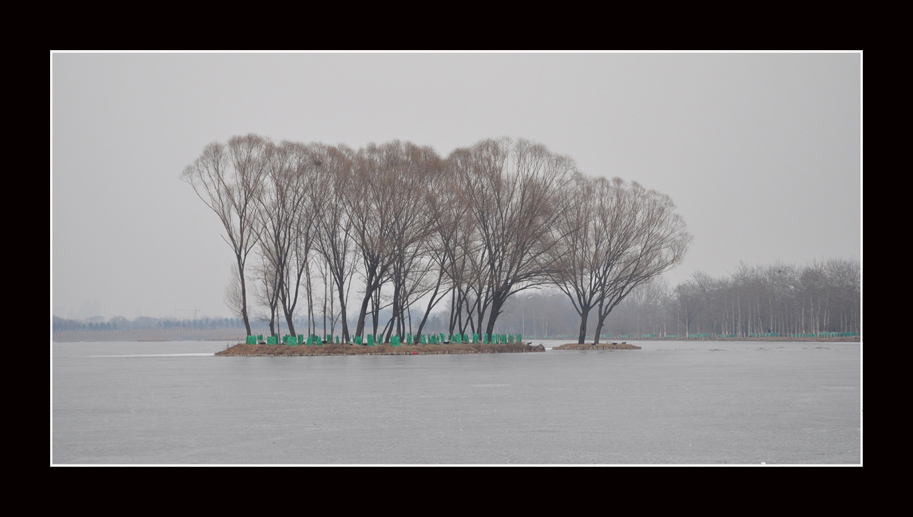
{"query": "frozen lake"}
{"type": "Point", "coordinates": [695, 403]}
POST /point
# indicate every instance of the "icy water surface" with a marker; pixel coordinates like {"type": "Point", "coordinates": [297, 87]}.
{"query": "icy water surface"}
{"type": "Point", "coordinates": [696, 403]}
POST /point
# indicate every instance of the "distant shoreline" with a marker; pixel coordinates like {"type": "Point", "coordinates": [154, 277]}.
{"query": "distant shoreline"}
{"type": "Point", "coordinates": [236, 336]}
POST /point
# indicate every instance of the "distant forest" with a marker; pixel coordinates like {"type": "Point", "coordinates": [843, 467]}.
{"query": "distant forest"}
{"type": "Point", "coordinates": [820, 298]}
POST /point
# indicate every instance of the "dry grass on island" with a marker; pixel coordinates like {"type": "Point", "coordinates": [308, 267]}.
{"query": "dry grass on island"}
{"type": "Point", "coordinates": [350, 349]}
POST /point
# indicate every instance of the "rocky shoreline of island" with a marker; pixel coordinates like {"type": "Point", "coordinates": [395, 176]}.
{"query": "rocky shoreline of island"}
{"type": "Point", "coordinates": [330, 349]}
{"type": "Point", "coordinates": [243, 349]}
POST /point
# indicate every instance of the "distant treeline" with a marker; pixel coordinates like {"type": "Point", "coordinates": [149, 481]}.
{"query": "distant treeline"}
{"type": "Point", "coordinates": [122, 323]}
{"type": "Point", "coordinates": [822, 298]}
{"type": "Point", "coordinates": [817, 299]}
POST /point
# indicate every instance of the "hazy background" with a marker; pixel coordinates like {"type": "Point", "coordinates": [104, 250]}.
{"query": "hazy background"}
{"type": "Point", "coordinates": [761, 152]}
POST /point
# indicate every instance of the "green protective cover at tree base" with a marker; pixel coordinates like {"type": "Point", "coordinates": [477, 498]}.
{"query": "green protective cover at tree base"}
{"type": "Point", "coordinates": [394, 341]}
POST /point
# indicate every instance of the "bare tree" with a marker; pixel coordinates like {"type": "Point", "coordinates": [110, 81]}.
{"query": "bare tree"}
{"type": "Point", "coordinates": [373, 206]}
{"type": "Point", "coordinates": [334, 238]}
{"type": "Point", "coordinates": [277, 205]}
{"type": "Point", "coordinates": [582, 250]}
{"type": "Point", "coordinates": [228, 179]}
{"type": "Point", "coordinates": [447, 219]}
{"type": "Point", "coordinates": [514, 194]}
{"type": "Point", "coordinates": [655, 240]}
{"type": "Point", "coordinates": [312, 167]}
{"type": "Point", "coordinates": [294, 194]}
{"type": "Point", "coordinates": [408, 174]}
{"type": "Point", "coordinates": [265, 290]}
{"type": "Point", "coordinates": [616, 237]}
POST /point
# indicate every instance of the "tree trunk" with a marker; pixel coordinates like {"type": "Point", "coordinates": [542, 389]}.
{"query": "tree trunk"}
{"type": "Point", "coordinates": [497, 303]}
{"type": "Point", "coordinates": [288, 321]}
{"type": "Point", "coordinates": [581, 334]}
{"type": "Point", "coordinates": [243, 294]}
{"type": "Point", "coordinates": [340, 286]}
{"type": "Point", "coordinates": [362, 314]}
{"type": "Point", "coordinates": [599, 322]}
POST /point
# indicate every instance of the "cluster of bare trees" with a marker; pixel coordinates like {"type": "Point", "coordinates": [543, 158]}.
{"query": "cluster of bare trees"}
{"type": "Point", "coordinates": [783, 299]}
{"type": "Point", "coordinates": [615, 238]}
{"type": "Point", "coordinates": [394, 228]}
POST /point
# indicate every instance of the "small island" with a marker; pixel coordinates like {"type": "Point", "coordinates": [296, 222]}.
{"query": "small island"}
{"type": "Point", "coordinates": [598, 346]}
{"type": "Point", "coordinates": [242, 349]}
{"type": "Point", "coordinates": [251, 350]}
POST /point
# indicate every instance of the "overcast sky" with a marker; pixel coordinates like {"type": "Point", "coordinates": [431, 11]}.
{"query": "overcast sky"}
{"type": "Point", "coordinates": [761, 152]}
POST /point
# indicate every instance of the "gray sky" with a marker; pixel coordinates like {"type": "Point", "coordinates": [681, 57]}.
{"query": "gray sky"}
{"type": "Point", "coordinates": [761, 152]}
